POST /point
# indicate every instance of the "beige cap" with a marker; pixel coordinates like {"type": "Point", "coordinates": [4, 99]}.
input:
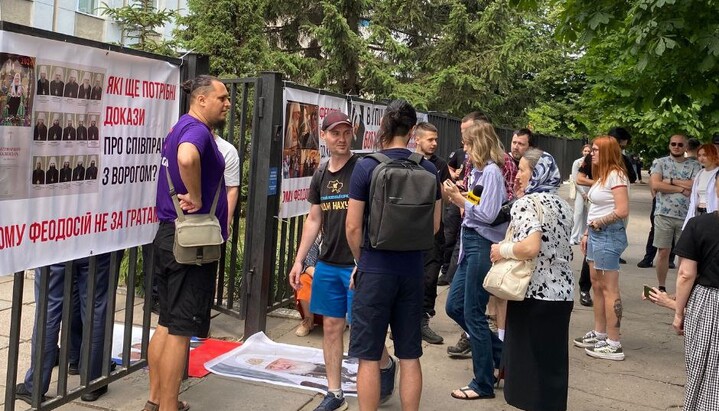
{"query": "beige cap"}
{"type": "Point", "coordinates": [73, 74]}
{"type": "Point", "coordinates": [59, 71]}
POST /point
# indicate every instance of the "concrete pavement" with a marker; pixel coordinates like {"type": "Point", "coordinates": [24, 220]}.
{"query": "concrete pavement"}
{"type": "Point", "coordinates": [651, 378]}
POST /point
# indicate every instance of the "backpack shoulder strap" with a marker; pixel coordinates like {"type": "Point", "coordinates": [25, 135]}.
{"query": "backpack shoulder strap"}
{"type": "Point", "coordinates": [415, 158]}
{"type": "Point", "coordinates": [381, 158]}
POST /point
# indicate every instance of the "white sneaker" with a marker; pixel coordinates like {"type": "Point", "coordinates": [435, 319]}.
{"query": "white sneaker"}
{"type": "Point", "coordinates": [605, 351]}
{"type": "Point", "coordinates": [589, 340]}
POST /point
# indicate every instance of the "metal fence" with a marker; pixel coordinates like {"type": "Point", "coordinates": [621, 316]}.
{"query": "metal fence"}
{"type": "Point", "coordinates": [281, 237]}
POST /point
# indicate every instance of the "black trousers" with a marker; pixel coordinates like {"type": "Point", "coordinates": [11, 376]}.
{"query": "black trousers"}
{"type": "Point", "coordinates": [452, 223]}
{"type": "Point", "coordinates": [432, 263]}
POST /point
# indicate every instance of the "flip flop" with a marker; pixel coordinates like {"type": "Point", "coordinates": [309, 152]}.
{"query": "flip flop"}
{"type": "Point", "coordinates": [467, 393]}
{"type": "Point", "coordinates": [151, 406]}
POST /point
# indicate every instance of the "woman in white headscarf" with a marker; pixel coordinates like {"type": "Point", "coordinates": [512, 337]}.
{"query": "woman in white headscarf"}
{"type": "Point", "coordinates": [536, 354]}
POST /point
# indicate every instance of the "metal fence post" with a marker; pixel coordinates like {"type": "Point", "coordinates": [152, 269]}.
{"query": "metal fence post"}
{"type": "Point", "coordinates": [263, 201]}
{"type": "Point", "coordinates": [193, 65]}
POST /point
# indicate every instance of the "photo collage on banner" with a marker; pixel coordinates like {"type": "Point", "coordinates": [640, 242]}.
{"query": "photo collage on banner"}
{"type": "Point", "coordinates": [303, 149]}
{"type": "Point", "coordinates": [66, 128]}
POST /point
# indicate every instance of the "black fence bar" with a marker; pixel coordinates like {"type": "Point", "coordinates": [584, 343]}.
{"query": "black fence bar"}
{"type": "Point", "coordinates": [41, 335]}
{"type": "Point", "coordinates": [263, 203]}
{"type": "Point", "coordinates": [14, 340]}
{"type": "Point", "coordinates": [130, 312]}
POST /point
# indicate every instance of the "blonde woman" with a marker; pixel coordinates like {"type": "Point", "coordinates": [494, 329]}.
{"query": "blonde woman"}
{"type": "Point", "coordinates": [467, 300]}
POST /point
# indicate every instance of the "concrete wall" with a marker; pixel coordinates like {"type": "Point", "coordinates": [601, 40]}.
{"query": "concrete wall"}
{"type": "Point", "coordinates": [16, 11]}
{"type": "Point", "coordinates": [87, 26]}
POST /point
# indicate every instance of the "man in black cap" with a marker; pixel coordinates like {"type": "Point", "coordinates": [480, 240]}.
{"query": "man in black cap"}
{"type": "Point", "coordinates": [331, 294]}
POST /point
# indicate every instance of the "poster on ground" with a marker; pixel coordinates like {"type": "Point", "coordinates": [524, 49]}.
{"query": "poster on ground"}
{"type": "Point", "coordinates": [303, 149]}
{"type": "Point", "coordinates": [81, 131]}
{"type": "Point", "coordinates": [261, 359]}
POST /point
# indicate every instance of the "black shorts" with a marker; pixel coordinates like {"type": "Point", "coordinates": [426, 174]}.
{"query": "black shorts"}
{"type": "Point", "coordinates": [382, 300]}
{"type": "Point", "coordinates": [185, 291]}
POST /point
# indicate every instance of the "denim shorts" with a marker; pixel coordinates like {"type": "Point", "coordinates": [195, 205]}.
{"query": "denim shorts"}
{"type": "Point", "coordinates": [331, 294]}
{"type": "Point", "coordinates": [604, 247]}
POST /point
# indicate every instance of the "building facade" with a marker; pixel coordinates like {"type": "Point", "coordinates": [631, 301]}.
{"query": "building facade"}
{"type": "Point", "coordinates": [80, 18]}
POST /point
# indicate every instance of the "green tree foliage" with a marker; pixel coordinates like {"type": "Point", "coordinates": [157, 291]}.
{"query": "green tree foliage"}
{"type": "Point", "coordinates": [650, 64]}
{"type": "Point", "coordinates": [139, 21]}
{"type": "Point", "coordinates": [447, 55]}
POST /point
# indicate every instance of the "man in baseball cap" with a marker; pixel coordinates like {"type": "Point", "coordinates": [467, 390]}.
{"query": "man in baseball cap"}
{"type": "Point", "coordinates": [331, 295]}
{"type": "Point", "coordinates": [334, 119]}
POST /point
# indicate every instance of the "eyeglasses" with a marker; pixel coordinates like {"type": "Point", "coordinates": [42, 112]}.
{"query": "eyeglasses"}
{"type": "Point", "coordinates": [676, 144]}
{"type": "Point", "coordinates": [595, 150]}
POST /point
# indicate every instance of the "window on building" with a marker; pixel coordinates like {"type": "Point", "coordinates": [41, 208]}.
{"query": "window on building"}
{"type": "Point", "coordinates": [88, 6]}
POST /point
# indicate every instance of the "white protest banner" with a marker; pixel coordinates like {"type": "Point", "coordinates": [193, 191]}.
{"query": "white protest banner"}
{"type": "Point", "coordinates": [81, 130]}
{"type": "Point", "coordinates": [303, 149]}
{"type": "Point", "coordinates": [365, 120]}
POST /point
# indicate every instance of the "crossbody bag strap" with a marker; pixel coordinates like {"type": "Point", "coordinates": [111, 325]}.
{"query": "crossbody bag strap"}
{"type": "Point", "coordinates": [217, 196]}
{"type": "Point", "coordinates": [173, 194]}
{"type": "Point", "coordinates": [176, 202]}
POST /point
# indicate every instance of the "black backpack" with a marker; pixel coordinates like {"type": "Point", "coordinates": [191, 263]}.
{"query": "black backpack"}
{"type": "Point", "coordinates": [401, 204]}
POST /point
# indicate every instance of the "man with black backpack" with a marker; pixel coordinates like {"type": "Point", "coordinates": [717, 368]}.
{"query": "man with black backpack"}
{"type": "Point", "coordinates": [331, 294]}
{"type": "Point", "coordinates": [394, 211]}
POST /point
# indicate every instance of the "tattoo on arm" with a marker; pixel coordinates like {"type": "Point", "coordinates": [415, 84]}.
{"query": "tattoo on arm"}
{"type": "Point", "coordinates": [618, 311]}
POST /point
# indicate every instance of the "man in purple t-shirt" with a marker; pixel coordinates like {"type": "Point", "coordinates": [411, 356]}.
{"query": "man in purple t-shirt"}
{"type": "Point", "coordinates": [185, 291]}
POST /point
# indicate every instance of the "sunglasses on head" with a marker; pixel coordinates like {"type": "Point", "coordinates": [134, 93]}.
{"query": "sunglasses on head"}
{"type": "Point", "coordinates": [676, 144]}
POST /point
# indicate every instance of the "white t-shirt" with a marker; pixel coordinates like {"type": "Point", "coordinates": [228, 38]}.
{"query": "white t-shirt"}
{"type": "Point", "coordinates": [601, 200]}
{"type": "Point", "coordinates": [232, 162]}
{"type": "Point", "coordinates": [702, 185]}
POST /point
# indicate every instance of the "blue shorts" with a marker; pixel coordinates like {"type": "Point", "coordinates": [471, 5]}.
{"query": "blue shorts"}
{"type": "Point", "coordinates": [331, 294]}
{"type": "Point", "coordinates": [604, 247]}
{"type": "Point", "coordinates": [383, 300]}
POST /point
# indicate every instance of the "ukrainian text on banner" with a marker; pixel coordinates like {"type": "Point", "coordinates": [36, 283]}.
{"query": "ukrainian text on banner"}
{"type": "Point", "coordinates": [365, 124]}
{"type": "Point", "coordinates": [80, 136]}
{"type": "Point", "coordinates": [303, 149]}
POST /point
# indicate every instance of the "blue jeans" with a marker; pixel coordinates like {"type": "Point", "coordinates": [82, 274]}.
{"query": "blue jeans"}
{"type": "Point", "coordinates": [467, 304]}
{"type": "Point", "coordinates": [55, 300]}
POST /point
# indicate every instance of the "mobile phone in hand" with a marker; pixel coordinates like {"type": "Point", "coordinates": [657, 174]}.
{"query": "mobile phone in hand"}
{"type": "Point", "coordinates": [647, 290]}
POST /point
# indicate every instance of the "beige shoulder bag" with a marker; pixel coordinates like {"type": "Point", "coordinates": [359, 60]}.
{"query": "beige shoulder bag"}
{"type": "Point", "coordinates": [198, 237]}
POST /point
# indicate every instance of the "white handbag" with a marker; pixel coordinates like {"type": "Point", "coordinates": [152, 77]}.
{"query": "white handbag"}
{"type": "Point", "coordinates": [508, 278]}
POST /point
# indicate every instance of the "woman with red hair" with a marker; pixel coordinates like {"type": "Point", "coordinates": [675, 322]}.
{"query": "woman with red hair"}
{"type": "Point", "coordinates": [603, 242]}
{"type": "Point", "coordinates": [703, 198]}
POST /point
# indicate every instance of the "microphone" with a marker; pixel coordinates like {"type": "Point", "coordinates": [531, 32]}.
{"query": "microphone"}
{"type": "Point", "coordinates": [475, 195]}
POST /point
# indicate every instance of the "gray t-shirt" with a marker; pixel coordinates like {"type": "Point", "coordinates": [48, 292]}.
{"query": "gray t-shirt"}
{"type": "Point", "coordinates": [674, 205]}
